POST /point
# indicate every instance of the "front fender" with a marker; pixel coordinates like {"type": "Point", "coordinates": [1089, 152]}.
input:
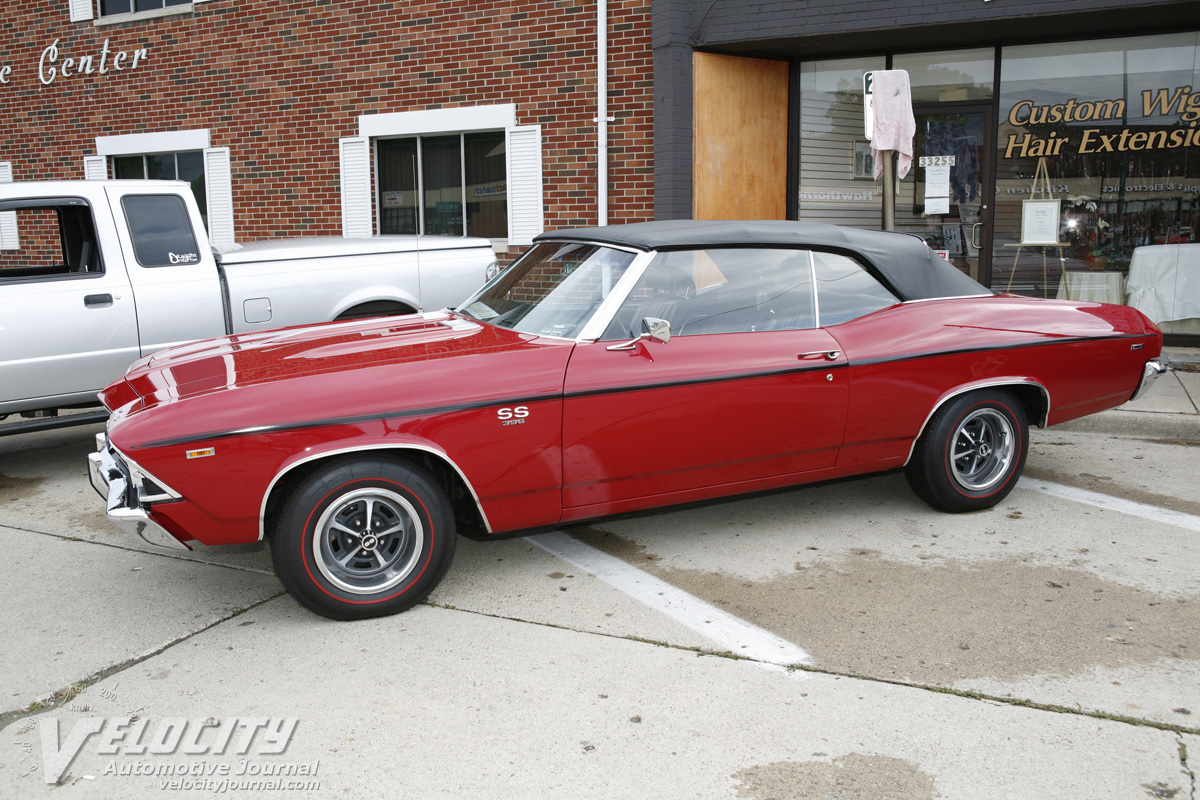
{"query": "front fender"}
{"type": "Point", "coordinates": [399, 444]}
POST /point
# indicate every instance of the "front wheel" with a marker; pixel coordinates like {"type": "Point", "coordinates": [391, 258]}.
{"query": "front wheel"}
{"type": "Point", "coordinates": [971, 453]}
{"type": "Point", "coordinates": [363, 538]}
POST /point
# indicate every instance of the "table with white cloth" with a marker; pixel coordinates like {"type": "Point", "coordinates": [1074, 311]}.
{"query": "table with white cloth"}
{"type": "Point", "coordinates": [1164, 284]}
{"type": "Point", "coordinates": [1095, 287]}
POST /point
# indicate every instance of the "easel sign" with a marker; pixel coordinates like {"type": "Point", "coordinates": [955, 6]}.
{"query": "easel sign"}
{"type": "Point", "coordinates": [1039, 222]}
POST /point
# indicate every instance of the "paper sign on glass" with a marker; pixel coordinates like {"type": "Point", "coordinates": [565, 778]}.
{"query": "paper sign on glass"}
{"type": "Point", "coordinates": [937, 181]}
{"type": "Point", "coordinates": [1039, 221]}
{"type": "Point", "coordinates": [937, 205]}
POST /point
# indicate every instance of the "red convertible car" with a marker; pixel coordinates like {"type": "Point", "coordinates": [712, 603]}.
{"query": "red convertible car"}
{"type": "Point", "coordinates": [608, 370]}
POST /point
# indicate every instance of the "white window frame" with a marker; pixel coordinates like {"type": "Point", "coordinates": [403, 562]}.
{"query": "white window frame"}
{"type": "Point", "coordinates": [526, 214]}
{"type": "Point", "coordinates": [218, 177]}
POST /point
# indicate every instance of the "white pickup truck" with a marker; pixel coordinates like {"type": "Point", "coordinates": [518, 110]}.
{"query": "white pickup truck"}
{"type": "Point", "coordinates": [96, 274]}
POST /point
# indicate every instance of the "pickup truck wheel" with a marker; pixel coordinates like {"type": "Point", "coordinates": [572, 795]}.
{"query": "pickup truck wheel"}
{"type": "Point", "coordinates": [363, 538]}
{"type": "Point", "coordinates": [971, 453]}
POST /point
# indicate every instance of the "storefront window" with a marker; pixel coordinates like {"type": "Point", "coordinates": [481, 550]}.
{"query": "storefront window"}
{"type": "Point", "coordinates": [1106, 134]}
{"type": "Point", "coordinates": [949, 76]}
{"type": "Point", "coordinates": [837, 184]}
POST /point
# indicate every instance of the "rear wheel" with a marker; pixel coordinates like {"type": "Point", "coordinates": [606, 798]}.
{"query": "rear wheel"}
{"type": "Point", "coordinates": [971, 453]}
{"type": "Point", "coordinates": [363, 538]}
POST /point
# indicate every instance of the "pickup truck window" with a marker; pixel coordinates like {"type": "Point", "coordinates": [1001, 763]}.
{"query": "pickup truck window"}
{"type": "Point", "coordinates": [161, 230]}
{"type": "Point", "coordinates": [56, 237]}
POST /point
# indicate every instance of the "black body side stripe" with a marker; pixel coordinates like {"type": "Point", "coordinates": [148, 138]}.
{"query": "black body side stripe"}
{"type": "Point", "coordinates": [450, 408]}
{"type": "Point", "coordinates": [958, 351]}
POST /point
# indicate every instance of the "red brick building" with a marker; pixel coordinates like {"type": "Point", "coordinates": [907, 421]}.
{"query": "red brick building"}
{"type": "Point", "coordinates": [296, 118]}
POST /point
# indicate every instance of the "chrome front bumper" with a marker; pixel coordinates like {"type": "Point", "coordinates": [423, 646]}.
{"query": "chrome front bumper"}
{"type": "Point", "coordinates": [1150, 373]}
{"type": "Point", "coordinates": [111, 479]}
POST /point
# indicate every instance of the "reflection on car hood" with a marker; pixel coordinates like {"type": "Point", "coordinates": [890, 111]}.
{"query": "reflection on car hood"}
{"type": "Point", "coordinates": [323, 373]}
{"type": "Point", "coordinates": [248, 359]}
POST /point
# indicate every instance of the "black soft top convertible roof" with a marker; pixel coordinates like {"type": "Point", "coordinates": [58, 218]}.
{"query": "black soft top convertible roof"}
{"type": "Point", "coordinates": [905, 262]}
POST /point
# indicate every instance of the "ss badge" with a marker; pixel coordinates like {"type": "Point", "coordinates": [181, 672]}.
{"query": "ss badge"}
{"type": "Point", "coordinates": [512, 416]}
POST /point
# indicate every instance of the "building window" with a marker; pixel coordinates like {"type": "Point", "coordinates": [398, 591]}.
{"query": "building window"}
{"type": "Point", "coordinates": [836, 180]}
{"type": "Point", "coordinates": [1110, 127]}
{"type": "Point", "coordinates": [446, 185]}
{"type": "Point", "coordinates": [109, 7]}
{"type": "Point", "coordinates": [187, 166]}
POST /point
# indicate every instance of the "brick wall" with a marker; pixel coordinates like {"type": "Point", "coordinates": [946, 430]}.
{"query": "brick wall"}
{"type": "Point", "coordinates": [280, 82]}
{"type": "Point", "coordinates": [41, 241]}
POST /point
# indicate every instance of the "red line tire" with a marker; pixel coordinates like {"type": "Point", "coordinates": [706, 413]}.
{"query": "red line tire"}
{"type": "Point", "coordinates": [363, 537]}
{"type": "Point", "coordinates": [971, 453]}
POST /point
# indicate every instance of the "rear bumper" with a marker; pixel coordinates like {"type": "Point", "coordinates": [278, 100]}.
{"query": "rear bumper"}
{"type": "Point", "coordinates": [1153, 368]}
{"type": "Point", "coordinates": [112, 479]}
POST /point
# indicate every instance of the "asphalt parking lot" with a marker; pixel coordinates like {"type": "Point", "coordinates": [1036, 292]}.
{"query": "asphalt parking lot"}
{"type": "Point", "coordinates": [841, 640]}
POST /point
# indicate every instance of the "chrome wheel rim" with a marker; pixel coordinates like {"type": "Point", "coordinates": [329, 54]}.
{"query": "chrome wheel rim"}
{"type": "Point", "coordinates": [368, 541]}
{"type": "Point", "coordinates": [982, 450]}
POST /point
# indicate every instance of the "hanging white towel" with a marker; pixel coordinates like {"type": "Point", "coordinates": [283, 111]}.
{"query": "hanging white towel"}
{"type": "Point", "coordinates": [894, 121]}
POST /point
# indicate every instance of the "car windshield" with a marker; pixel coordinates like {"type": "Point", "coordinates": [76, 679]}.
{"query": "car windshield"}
{"type": "Point", "coordinates": [552, 291]}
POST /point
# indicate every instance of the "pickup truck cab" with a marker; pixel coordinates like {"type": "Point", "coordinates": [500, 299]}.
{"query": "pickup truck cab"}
{"type": "Point", "coordinates": [96, 274]}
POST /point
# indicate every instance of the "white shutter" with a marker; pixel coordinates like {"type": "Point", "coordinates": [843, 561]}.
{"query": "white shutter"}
{"type": "Point", "coordinates": [526, 213]}
{"type": "Point", "coordinates": [8, 219]}
{"type": "Point", "coordinates": [218, 186]}
{"type": "Point", "coordinates": [95, 168]}
{"type": "Point", "coordinates": [81, 10]}
{"type": "Point", "coordinates": [356, 186]}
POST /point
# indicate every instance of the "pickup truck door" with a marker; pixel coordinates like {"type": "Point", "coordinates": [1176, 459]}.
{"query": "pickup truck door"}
{"type": "Point", "coordinates": [171, 266]}
{"type": "Point", "coordinates": [67, 321]}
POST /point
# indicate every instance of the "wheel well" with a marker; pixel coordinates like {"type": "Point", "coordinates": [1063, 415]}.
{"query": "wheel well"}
{"type": "Point", "coordinates": [467, 516]}
{"type": "Point", "coordinates": [1034, 399]}
{"type": "Point", "coordinates": [375, 308]}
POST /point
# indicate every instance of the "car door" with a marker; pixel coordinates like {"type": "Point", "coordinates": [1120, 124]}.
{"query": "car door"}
{"type": "Point", "coordinates": [68, 325]}
{"type": "Point", "coordinates": [746, 388]}
{"type": "Point", "coordinates": [171, 267]}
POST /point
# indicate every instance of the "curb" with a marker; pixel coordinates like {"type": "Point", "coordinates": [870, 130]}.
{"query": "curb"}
{"type": "Point", "coordinates": [1141, 424]}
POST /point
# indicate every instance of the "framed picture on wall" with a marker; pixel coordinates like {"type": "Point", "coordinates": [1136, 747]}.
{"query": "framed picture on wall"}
{"type": "Point", "coordinates": [1039, 221]}
{"type": "Point", "coordinates": [862, 163]}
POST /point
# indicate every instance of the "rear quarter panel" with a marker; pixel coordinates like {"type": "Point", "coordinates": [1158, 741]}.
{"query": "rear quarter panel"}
{"type": "Point", "coordinates": [906, 360]}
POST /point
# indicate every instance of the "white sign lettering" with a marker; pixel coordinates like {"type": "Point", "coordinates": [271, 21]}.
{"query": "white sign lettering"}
{"type": "Point", "coordinates": [54, 64]}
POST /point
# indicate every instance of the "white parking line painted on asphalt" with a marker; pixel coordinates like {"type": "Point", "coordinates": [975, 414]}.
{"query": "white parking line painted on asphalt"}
{"type": "Point", "coordinates": [726, 630]}
{"type": "Point", "coordinates": [1153, 513]}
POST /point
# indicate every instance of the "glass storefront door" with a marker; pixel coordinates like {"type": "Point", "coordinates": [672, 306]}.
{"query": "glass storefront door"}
{"type": "Point", "coordinates": [946, 201]}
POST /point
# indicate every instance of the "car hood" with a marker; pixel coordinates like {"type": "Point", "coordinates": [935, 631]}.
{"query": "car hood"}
{"type": "Point", "coordinates": [319, 374]}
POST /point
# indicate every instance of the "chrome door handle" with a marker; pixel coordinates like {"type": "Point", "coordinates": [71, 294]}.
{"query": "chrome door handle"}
{"type": "Point", "coordinates": [975, 234]}
{"type": "Point", "coordinates": [830, 355]}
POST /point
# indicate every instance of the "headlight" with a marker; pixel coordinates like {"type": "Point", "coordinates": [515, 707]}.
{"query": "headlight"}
{"type": "Point", "coordinates": [493, 269]}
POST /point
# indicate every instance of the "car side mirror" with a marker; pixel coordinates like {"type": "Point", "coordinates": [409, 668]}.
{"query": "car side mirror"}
{"type": "Point", "coordinates": [652, 328]}
{"type": "Point", "coordinates": [657, 329]}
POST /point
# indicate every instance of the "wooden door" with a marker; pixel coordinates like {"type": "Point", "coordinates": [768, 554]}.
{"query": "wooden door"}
{"type": "Point", "coordinates": [740, 138]}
